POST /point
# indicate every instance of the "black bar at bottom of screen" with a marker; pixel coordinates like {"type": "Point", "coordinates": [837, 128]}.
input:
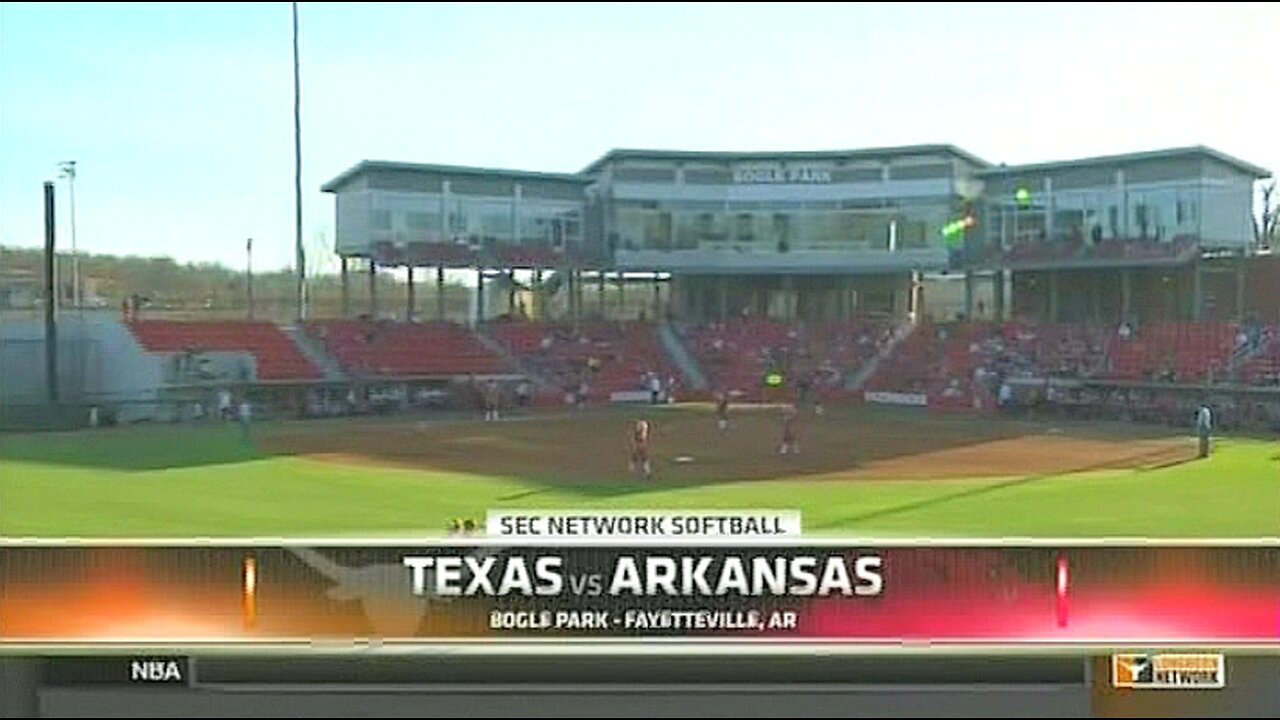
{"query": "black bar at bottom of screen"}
{"type": "Point", "coordinates": [136, 670]}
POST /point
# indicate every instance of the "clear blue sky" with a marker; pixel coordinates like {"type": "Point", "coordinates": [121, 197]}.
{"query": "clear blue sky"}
{"type": "Point", "coordinates": [180, 117]}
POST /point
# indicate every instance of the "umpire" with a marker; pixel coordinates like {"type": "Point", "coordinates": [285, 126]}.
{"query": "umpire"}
{"type": "Point", "coordinates": [1204, 428]}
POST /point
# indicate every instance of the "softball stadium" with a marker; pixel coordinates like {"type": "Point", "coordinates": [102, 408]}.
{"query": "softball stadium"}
{"type": "Point", "coordinates": [951, 349]}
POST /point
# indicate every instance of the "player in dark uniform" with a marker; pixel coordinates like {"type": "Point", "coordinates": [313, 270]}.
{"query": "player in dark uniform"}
{"type": "Point", "coordinates": [722, 410]}
{"type": "Point", "coordinates": [641, 436]}
{"type": "Point", "coordinates": [790, 433]}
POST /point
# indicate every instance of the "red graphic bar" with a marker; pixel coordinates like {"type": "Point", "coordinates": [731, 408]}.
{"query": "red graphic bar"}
{"type": "Point", "coordinates": [1096, 595]}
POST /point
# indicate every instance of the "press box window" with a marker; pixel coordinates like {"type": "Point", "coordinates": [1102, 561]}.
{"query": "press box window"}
{"type": "Point", "coordinates": [746, 227]}
{"type": "Point", "coordinates": [422, 221]}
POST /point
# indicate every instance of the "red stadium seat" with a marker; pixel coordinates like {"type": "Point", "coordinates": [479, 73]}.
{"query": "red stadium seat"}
{"type": "Point", "coordinates": [405, 350]}
{"type": "Point", "coordinates": [624, 352]}
{"type": "Point", "coordinates": [278, 358]}
{"type": "Point", "coordinates": [931, 361]}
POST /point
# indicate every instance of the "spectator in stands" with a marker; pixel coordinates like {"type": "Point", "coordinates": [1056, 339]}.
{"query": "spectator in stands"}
{"type": "Point", "coordinates": [1126, 331]}
{"type": "Point", "coordinates": [1053, 395]}
{"type": "Point", "coordinates": [980, 376]}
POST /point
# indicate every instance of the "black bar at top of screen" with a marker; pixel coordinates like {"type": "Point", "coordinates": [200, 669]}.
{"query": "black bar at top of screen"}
{"type": "Point", "coordinates": [667, 669]}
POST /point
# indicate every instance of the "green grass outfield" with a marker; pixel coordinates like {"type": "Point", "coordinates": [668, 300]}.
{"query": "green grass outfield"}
{"type": "Point", "coordinates": [173, 481]}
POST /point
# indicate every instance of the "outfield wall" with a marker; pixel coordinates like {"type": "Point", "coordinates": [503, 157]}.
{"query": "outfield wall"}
{"type": "Point", "coordinates": [99, 364]}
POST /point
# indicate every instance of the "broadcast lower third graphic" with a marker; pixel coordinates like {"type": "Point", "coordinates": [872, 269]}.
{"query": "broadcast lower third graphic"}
{"type": "Point", "coordinates": [384, 590]}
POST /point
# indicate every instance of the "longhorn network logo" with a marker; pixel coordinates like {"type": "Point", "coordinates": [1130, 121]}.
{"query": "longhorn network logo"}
{"type": "Point", "coordinates": [1181, 671]}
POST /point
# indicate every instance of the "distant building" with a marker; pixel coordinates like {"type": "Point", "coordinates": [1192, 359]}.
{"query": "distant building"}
{"type": "Point", "coordinates": [830, 235]}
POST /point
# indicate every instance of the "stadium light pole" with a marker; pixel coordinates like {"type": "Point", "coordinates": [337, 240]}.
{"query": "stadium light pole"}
{"type": "Point", "coordinates": [51, 295]}
{"type": "Point", "coordinates": [68, 168]}
{"type": "Point", "coordinates": [248, 275]}
{"type": "Point", "coordinates": [300, 257]}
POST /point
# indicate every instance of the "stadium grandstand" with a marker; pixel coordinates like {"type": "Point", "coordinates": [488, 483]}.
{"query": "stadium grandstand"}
{"type": "Point", "coordinates": [920, 275]}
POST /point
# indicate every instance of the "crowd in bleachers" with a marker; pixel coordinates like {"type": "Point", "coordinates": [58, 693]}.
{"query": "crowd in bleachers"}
{"type": "Point", "coordinates": [975, 364]}
{"type": "Point", "coordinates": [1260, 361]}
{"type": "Point", "coordinates": [591, 361]}
{"type": "Point", "coordinates": [962, 365]}
{"type": "Point", "coordinates": [937, 361]}
{"type": "Point", "coordinates": [1173, 352]}
{"type": "Point", "coordinates": [737, 354]}
{"type": "Point", "coordinates": [1146, 404]}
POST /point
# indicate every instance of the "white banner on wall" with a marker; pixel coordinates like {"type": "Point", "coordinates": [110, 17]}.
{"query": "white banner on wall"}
{"type": "Point", "coordinates": [896, 398]}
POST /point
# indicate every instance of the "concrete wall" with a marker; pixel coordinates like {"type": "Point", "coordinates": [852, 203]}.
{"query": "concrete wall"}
{"type": "Point", "coordinates": [99, 362]}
